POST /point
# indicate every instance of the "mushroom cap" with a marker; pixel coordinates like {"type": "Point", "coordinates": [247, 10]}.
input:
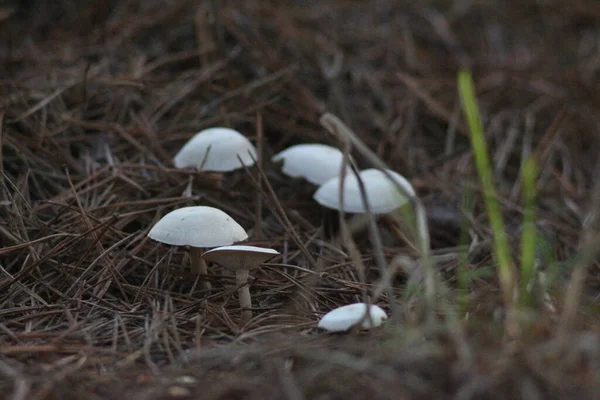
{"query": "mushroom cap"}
{"type": "Point", "coordinates": [198, 226]}
{"type": "Point", "coordinates": [225, 146]}
{"type": "Point", "coordinates": [343, 318]}
{"type": "Point", "coordinates": [239, 257]}
{"type": "Point", "coordinates": [315, 162]}
{"type": "Point", "coordinates": [381, 192]}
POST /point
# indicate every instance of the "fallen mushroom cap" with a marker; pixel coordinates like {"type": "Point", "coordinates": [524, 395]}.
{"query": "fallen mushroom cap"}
{"type": "Point", "coordinates": [317, 163]}
{"type": "Point", "coordinates": [239, 257]}
{"type": "Point", "coordinates": [223, 145]}
{"type": "Point", "coordinates": [382, 193]}
{"type": "Point", "coordinates": [197, 226]}
{"type": "Point", "coordinates": [343, 318]}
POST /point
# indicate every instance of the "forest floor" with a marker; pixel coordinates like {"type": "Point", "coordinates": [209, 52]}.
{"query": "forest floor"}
{"type": "Point", "coordinates": [96, 97]}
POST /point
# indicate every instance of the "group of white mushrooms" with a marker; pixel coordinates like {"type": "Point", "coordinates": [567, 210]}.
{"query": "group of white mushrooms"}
{"type": "Point", "coordinates": [202, 227]}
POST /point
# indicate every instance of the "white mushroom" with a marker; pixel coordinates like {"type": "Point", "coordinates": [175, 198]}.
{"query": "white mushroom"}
{"type": "Point", "coordinates": [381, 192]}
{"type": "Point", "coordinates": [343, 318]}
{"type": "Point", "coordinates": [216, 149]}
{"type": "Point", "coordinates": [317, 163]}
{"type": "Point", "coordinates": [198, 227]}
{"type": "Point", "coordinates": [241, 259]}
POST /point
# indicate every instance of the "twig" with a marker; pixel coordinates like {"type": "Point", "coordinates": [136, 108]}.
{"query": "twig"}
{"type": "Point", "coordinates": [335, 126]}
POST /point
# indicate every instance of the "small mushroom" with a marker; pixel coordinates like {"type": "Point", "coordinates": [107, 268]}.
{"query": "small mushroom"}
{"type": "Point", "coordinates": [315, 162]}
{"type": "Point", "coordinates": [343, 318]}
{"type": "Point", "coordinates": [382, 194]}
{"type": "Point", "coordinates": [198, 227]}
{"type": "Point", "coordinates": [216, 149]}
{"type": "Point", "coordinates": [241, 259]}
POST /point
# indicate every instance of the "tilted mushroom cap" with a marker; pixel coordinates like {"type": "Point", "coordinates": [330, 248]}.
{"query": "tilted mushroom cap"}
{"type": "Point", "coordinates": [317, 163]}
{"type": "Point", "coordinates": [198, 226]}
{"type": "Point", "coordinates": [382, 193]}
{"type": "Point", "coordinates": [239, 257]}
{"type": "Point", "coordinates": [223, 146]}
{"type": "Point", "coordinates": [343, 318]}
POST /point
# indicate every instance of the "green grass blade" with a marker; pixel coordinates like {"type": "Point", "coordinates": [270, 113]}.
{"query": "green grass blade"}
{"type": "Point", "coordinates": [484, 169]}
{"type": "Point", "coordinates": [528, 234]}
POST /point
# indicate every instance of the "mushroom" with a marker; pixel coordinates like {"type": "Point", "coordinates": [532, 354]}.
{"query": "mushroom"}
{"type": "Point", "coordinates": [198, 227]}
{"type": "Point", "coordinates": [216, 149]}
{"type": "Point", "coordinates": [343, 318]}
{"type": "Point", "coordinates": [315, 162]}
{"type": "Point", "coordinates": [241, 259]}
{"type": "Point", "coordinates": [381, 192]}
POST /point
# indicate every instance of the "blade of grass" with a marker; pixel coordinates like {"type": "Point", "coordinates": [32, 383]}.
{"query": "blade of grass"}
{"type": "Point", "coordinates": [464, 275]}
{"type": "Point", "coordinates": [478, 143]}
{"type": "Point", "coordinates": [588, 252]}
{"type": "Point", "coordinates": [528, 233]}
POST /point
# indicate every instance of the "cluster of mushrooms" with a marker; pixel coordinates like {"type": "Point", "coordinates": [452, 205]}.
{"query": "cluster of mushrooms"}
{"type": "Point", "coordinates": [202, 227]}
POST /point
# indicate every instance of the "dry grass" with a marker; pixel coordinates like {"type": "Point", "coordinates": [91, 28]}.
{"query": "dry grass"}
{"type": "Point", "coordinates": [95, 99]}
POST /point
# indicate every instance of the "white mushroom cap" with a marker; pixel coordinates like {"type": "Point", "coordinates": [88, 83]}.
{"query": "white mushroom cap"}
{"type": "Point", "coordinates": [317, 163]}
{"type": "Point", "coordinates": [225, 146]}
{"type": "Point", "coordinates": [239, 257]}
{"type": "Point", "coordinates": [382, 194]}
{"type": "Point", "coordinates": [343, 318]}
{"type": "Point", "coordinates": [198, 226]}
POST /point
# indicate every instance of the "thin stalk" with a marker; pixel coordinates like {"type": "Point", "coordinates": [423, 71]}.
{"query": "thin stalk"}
{"type": "Point", "coordinates": [528, 234]}
{"type": "Point", "coordinates": [464, 274]}
{"type": "Point", "coordinates": [199, 267]}
{"type": "Point", "coordinates": [376, 242]}
{"type": "Point", "coordinates": [588, 252]}
{"type": "Point", "coordinates": [334, 125]}
{"type": "Point", "coordinates": [241, 281]}
{"type": "Point", "coordinates": [484, 169]}
{"type": "Point", "coordinates": [586, 256]}
{"type": "Point", "coordinates": [344, 229]}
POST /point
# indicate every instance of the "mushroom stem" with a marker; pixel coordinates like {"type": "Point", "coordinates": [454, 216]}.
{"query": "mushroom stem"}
{"type": "Point", "coordinates": [199, 267]}
{"type": "Point", "coordinates": [241, 280]}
